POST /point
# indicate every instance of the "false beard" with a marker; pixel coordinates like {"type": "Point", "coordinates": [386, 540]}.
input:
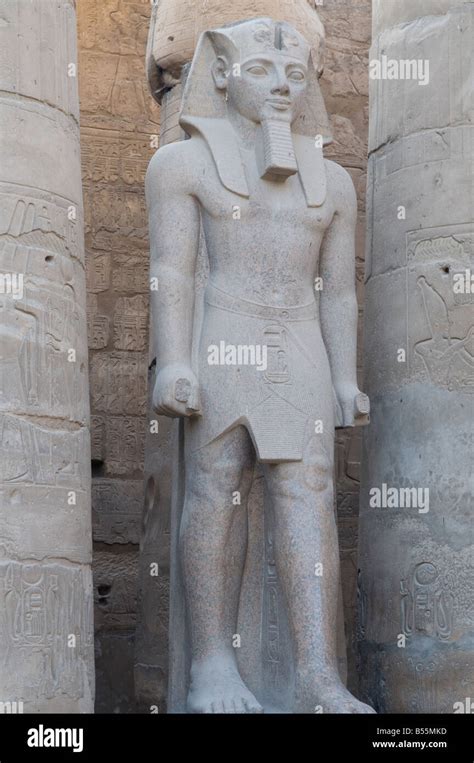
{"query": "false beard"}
{"type": "Point", "coordinates": [275, 151]}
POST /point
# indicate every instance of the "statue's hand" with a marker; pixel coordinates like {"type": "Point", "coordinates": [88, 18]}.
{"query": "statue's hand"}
{"type": "Point", "coordinates": [176, 392]}
{"type": "Point", "coordinates": [353, 406]}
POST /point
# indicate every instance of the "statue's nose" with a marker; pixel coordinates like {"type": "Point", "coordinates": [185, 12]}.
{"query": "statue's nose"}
{"type": "Point", "coordinates": [281, 88]}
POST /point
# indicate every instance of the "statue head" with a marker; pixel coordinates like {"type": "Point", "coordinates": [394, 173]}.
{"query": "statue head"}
{"type": "Point", "coordinates": [262, 67]}
{"type": "Point", "coordinates": [263, 71]}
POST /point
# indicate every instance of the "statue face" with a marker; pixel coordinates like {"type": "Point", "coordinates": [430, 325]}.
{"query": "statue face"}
{"type": "Point", "coordinates": [269, 86]}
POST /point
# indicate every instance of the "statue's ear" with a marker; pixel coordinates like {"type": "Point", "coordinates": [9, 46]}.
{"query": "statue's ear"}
{"type": "Point", "coordinates": [219, 72]}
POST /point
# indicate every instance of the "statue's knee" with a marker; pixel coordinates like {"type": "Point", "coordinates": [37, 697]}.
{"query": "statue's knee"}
{"type": "Point", "coordinates": [318, 479]}
{"type": "Point", "coordinates": [296, 483]}
{"type": "Point", "coordinates": [317, 471]}
{"type": "Point", "coordinates": [217, 486]}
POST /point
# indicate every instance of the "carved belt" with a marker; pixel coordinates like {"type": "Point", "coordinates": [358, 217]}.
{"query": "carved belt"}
{"type": "Point", "coordinates": [216, 297]}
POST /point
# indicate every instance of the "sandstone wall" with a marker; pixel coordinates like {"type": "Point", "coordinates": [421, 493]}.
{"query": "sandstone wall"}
{"type": "Point", "coordinates": [118, 117]}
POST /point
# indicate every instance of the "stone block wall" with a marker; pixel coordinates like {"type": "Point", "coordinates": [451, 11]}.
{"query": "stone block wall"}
{"type": "Point", "coordinates": [118, 118]}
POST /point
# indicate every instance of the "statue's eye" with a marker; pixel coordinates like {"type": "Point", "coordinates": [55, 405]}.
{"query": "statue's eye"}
{"type": "Point", "coordinates": [296, 76]}
{"type": "Point", "coordinates": [258, 71]}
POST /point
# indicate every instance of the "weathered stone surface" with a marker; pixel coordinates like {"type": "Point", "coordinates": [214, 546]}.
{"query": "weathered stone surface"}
{"type": "Point", "coordinates": [114, 671]}
{"type": "Point", "coordinates": [389, 15]}
{"type": "Point", "coordinates": [240, 585]}
{"type": "Point", "coordinates": [46, 634]}
{"type": "Point", "coordinates": [116, 510]}
{"type": "Point", "coordinates": [43, 74]}
{"type": "Point", "coordinates": [416, 621]}
{"type": "Point", "coordinates": [46, 651]}
{"type": "Point", "coordinates": [45, 500]}
{"type": "Point", "coordinates": [445, 41]}
{"type": "Point", "coordinates": [98, 325]}
{"type": "Point", "coordinates": [151, 639]}
{"type": "Point", "coordinates": [118, 383]}
{"type": "Point", "coordinates": [177, 24]}
{"type": "Point", "coordinates": [115, 587]}
{"type": "Point", "coordinates": [119, 125]}
{"type": "Point", "coordinates": [131, 324]}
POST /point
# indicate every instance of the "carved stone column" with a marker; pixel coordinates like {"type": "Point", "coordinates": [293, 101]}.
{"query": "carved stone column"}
{"type": "Point", "coordinates": [416, 558]}
{"type": "Point", "coordinates": [46, 638]}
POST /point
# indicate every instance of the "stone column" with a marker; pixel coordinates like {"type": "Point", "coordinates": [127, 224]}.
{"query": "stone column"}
{"type": "Point", "coordinates": [416, 621]}
{"type": "Point", "coordinates": [46, 641]}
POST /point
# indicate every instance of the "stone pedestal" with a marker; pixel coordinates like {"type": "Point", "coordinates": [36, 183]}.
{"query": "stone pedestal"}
{"type": "Point", "coordinates": [416, 560]}
{"type": "Point", "coordinates": [46, 639]}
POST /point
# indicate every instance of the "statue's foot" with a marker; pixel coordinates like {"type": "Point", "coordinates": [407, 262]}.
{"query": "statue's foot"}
{"type": "Point", "coordinates": [326, 695]}
{"type": "Point", "coordinates": [216, 687]}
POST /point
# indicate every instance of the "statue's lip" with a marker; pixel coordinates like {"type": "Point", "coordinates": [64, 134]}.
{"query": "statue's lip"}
{"type": "Point", "coordinates": [281, 102]}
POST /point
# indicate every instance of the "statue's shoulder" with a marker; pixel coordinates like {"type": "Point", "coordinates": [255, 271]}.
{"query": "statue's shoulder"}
{"type": "Point", "coordinates": [340, 186]}
{"type": "Point", "coordinates": [178, 163]}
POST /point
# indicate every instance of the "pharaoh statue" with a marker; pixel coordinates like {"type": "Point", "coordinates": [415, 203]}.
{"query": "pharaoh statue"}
{"type": "Point", "coordinates": [269, 370]}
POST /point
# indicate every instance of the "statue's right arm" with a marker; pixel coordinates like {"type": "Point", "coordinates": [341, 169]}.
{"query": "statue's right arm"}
{"type": "Point", "coordinates": [174, 223]}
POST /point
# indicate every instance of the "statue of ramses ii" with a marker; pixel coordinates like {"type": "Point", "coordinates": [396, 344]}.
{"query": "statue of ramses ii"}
{"type": "Point", "coordinates": [270, 370]}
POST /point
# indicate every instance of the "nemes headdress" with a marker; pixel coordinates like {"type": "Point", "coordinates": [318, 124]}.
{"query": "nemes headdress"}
{"type": "Point", "coordinates": [204, 109]}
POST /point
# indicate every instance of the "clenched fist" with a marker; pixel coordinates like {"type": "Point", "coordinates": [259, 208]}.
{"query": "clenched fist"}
{"type": "Point", "coordinates": [176, 392]}
{"type": "Point", "coordinates": [353, 406]}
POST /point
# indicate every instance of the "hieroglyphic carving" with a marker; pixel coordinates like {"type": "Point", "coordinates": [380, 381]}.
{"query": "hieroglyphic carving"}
{"type": "Point", "coordinates": [125, 443]}
{"type": "Point", "coordinates": [117, 506]}
{"type": "Point", "coordinates": [118, 383]}
{"type": "Point", "coordinates": [113, 213]}
{"type": "Point", "coordinates": [97, 325]}
{"type": "Point", "coordinates": [425, 607]}
{"type": "Point", "coordinates": [118, 121]}
{"type": "Point", "coordinates": [129, 274]}
{"type": "Point", "coordinates": [272, 619]}
{"type": "Point", "coordinates": [38, 333]}
{"type": "Point", "coordinates": [38, 456]}
{"type": "Point", "coordinates": [46, 650]}
{"type": "Point", "coordinates": [112, 155]}
{"type": "Point", "coordinates": [115, 589]}
{"type": "Point", "coordinates": [131, 324]}
{"type": "Point", "coordinates": [29, 217]}
{"type": "Point", "coordinates": [42, 606]}
{"type": "Point", "coordinates": [97, 438]}
{"type": "Point", "coordinates": [120, 94]}
{"type": "Point", "coordinates": [446, 347]}
{"type": "Point", "coordinates": [449, 362]}
{"type": "Point", "coordinates": [97, 272]}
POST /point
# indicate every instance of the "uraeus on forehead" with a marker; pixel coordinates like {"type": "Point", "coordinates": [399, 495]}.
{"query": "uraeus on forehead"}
{"type": "Point", "coordinates": [251, 38]}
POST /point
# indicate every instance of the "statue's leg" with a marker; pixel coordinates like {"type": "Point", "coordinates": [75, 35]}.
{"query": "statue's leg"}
{"type": "Point", "coordinates": [307, 559]}
{"type": "Point", "coordinates": [213, 545]}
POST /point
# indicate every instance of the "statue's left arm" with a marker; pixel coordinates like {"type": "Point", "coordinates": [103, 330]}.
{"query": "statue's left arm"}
{"type": "Point", "coordinates": [338, 305]}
